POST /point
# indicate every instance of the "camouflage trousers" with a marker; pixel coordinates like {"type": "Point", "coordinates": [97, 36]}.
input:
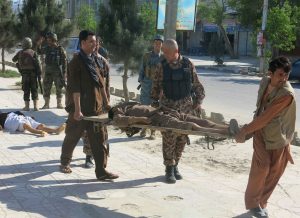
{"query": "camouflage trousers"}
{"type": "Point", "coordinates": [173, 146]}
{"type": "Point", "coordinates": [49, 78]}
{"type": "Point", "coordinates": [29, 85]}
{"type": "Point", "coordinates": [87, 150]}
{"type": "Point", "coordinates": [174, 143]}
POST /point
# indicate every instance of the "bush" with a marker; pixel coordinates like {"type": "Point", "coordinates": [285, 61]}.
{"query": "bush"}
{"type": "Point", "coordinates": [9, 74]}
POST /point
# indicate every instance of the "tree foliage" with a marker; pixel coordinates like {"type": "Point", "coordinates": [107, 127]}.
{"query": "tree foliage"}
{"type": "Point", "coordinates": [122, 29]}
{"type": "Point", "coordinates": [86, 18]}
{"type": "Point", "coordinates": [37, 17]}
{"type": "Point", "coordinates": [7, 27]}
{"type": "Point", "coordinates": [283, 21]}
{"type": "Point", "coordinates": [214, 12]}
{"type": "Point", "coordinates": [148, 16]}
{"type": "Point", "coordinates": [279, 19]}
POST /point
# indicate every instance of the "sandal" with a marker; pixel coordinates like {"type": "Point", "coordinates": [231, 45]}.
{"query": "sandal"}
{"type": "Point", "coordinates": [65, 169]}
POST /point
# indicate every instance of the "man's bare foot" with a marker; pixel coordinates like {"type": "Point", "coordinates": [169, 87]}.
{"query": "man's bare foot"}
{"type": "Point", "coordinates": [60, 129]}
{"type": "Point", "coordinates": [65, 169]}
{"type": "Point", "coordinates": [43, 134]}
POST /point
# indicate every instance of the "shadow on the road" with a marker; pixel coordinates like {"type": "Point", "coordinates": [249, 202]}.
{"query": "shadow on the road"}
{"type": "Point", "coordinates": [241, 81]}
{"type": "Point", "coordinates": [244, 215]}
{"type": "Point", "coordinates": [128, 139]}
{"type": "Point", "coordinates": [37, 144]}
{"type": "Point", "coordinates": [25, 188]}
{"type": "Point", "coordinates": [10, 89]}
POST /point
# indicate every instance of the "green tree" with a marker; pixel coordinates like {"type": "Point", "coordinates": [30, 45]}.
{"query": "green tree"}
{"type": "Point", "coordinates": [148, 16]}
{"type": "Point", "coordinates": [283, 24]}
{"type": "Point", "coordinates": [7, 27]}
{"type": "Point", "coordinates": [214, 12]}
{"type": "Point", "coordinates": [122, 31]}
{"type": "Point", "coordinates": [216, 48]}
{"type": "Point", "coordinates": [285, 36]}
{"type": "Point", "coordinates": [85, 19]}
{"type": "Point", "coordinates": [37, 17]}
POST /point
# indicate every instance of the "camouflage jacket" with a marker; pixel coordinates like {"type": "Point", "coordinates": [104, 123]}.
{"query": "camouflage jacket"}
{"type": "Point", "coordinates": [148, 67]}
{"type": "Point", "coordinates": [197, 88]}
{"type": "Point", "coordinates": [55, 57]}
{"type": "Point", "coordinates": [30, 61]}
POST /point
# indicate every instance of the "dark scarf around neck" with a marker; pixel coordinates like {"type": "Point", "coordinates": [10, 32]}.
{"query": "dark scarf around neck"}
{"type": "Point", "coordinates": [90, 62]}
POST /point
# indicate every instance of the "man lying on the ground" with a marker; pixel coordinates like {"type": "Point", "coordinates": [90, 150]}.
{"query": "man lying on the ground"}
{"type": "Point", "coordinates": [129, 113]}
{"type": "Point", "coordinates": [17, 121]}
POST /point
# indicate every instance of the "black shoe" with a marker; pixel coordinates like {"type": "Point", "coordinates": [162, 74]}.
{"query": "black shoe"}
{"type": "Point", "coordinates": [177, 175]}
{"type": "Point", "coordinates": [88, 162]}
{"type": "Point", "coordinates": [258, 212]}
{"type": "Point", "coordinates": [265, 210]}
{"type": "Point", "coordinates": [107, 176]}
{"type": "Point", "coordinates": [170, 177]}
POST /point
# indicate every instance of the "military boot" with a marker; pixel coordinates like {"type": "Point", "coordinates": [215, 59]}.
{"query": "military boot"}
{"type": "Point", "coordinates": [26, 108]}
{"type": "Point", "coordinates": [170, 177]}
{"type": "Point", "coordinates": [152, 135]}
{"type": "Point", "coordinates": [59, 104]}
{"type": "Point", "coordinates": [88, 162]}
{"type": "Point", "coordinates": [35, 105]}
{"type": "Point", "coordinates": [177, 175]}
{"type": "Point", "coordinates": [143, 133]}
{"type": "Point", "coordinates": [47, 101]}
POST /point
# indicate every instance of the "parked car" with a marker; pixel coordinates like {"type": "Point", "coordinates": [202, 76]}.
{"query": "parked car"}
{"type": "Point", "coordinates": [72, 47]}
{"type": "Point", "coordinates": [295, 72]}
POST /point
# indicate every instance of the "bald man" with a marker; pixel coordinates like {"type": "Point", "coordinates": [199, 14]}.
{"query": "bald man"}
{"type": "Point", "coordinates": [174, 83]}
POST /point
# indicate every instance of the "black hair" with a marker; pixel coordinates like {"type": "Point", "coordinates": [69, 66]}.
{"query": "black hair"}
{"type": "Point", "coordinates": [84, 34]}
{"type": "Point", "coordinates": [280, 63]}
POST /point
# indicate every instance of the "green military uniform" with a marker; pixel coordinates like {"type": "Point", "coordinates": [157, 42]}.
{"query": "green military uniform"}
{"type": "Point", "coordinates": [29, 66]}
{"type": "Point", "coordinates": [56, 64]}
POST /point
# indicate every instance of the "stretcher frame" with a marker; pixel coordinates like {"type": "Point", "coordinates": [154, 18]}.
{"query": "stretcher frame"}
{"type": "Point", "coordinates": [103, 119]}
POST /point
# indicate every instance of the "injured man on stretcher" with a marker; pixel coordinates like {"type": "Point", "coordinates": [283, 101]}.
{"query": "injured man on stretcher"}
{"type": "Point", "coordinates": [125, 115]}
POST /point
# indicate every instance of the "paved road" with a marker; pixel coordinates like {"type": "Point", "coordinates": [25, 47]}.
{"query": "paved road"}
{"type": "Point", "coordinates": [31, 185]}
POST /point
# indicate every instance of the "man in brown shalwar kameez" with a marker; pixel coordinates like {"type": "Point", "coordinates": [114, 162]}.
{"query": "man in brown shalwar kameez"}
{"type": "Point", "coordinates": [272, 128]}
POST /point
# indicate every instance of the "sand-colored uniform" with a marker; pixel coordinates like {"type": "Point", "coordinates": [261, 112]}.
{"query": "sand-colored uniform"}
{"type": "Point", "coordinates": [173, 144]}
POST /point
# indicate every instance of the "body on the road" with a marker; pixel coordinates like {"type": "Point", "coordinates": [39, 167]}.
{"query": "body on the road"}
{"type": "Point", "coordinates": [272, 128]}
{"type": "Point", "coordinates": [17, 121]}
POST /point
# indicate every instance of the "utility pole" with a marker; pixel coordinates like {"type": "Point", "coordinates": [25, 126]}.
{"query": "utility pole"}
{"type": "Point", "coordinates": [261, 38]}
{"type": "Point", "coordinates": [170, 19]}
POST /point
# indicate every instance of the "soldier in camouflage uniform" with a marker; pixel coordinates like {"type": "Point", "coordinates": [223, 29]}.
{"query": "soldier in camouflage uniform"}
{"type": "Point", "coordinates": [29, 66]}
{"type": "Point", "coordinates": [55, 71]}
{"type": "Point", "coordinates": [174, 84]}
{"type": "Point", "coordinates": [150, 60]}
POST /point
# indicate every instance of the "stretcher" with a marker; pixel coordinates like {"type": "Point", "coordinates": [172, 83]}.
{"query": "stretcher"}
{"type": "Point", "coordinates": [103, 120]}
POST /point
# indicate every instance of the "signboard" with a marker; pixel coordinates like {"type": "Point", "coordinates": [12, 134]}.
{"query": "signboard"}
{"type": "Point", "coordinates": [186, 14]}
